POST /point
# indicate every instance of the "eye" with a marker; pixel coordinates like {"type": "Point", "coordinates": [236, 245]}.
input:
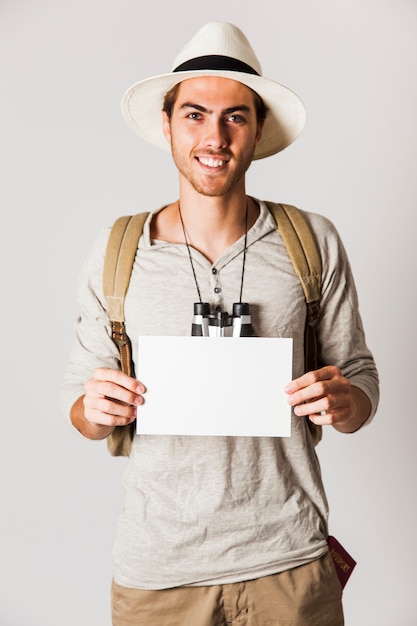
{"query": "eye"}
{"type": "Point", "coordinates": [236, 118]}
{"type": "Point", "coordinates": [194, 115]}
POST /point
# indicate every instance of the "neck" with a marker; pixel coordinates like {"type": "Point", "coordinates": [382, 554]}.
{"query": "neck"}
{"type": "Point", "coordinates": [213, 240]}
{"type": "Point", "coordinates": [216, 227]}
{"type": "Point", "coordinates": [212, 224]}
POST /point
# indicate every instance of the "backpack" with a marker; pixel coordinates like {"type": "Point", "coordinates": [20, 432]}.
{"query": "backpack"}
{"type": "Point", "coordinates": [120, 255]}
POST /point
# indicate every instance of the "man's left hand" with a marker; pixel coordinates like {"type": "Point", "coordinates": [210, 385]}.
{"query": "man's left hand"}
{"type": "Point", "coordinates": [328, 398]}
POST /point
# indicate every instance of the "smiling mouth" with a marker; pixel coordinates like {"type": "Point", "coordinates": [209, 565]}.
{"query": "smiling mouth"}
{"type": "Point", "coordinates": [212, 162]}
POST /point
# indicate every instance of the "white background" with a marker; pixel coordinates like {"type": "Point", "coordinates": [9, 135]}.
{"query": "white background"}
{"type": "Point", "coordinates": [70, 165]}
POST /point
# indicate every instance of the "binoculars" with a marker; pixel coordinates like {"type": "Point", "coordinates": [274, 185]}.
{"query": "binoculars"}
{"type": "Point", "coordinates": [220, 323]}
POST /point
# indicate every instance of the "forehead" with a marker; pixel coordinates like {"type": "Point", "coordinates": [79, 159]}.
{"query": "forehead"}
{"type": "Point", "coordinates": [214, 90]}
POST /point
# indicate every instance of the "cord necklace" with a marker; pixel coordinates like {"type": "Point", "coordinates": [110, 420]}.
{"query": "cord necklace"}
{"type": "Point", "coordinates": [191, 258]}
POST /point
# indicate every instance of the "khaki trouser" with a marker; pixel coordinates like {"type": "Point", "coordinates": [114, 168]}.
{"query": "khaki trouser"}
{"type": "Point", "coordinates": [309, 595]}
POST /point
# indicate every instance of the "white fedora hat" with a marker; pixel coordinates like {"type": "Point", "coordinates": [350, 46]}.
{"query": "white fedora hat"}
{"type": "Point", "coordinates": [217, 49]}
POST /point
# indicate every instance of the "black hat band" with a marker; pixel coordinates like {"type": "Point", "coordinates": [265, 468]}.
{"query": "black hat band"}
{"type": "Point", "coordinates": [216, 62]}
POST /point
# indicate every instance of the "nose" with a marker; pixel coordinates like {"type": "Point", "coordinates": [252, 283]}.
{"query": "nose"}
{"type": "Point", "coordinates": [216, 134]}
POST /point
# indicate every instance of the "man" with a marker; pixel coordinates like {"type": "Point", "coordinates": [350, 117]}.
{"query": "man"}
{"type": "Point", "coordinates": [221, 530]}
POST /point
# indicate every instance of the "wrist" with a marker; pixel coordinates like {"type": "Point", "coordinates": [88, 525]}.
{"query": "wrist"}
{"type": "Point", "coordinates": [361, 410]}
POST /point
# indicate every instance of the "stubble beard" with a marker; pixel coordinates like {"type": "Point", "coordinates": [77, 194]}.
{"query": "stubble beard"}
{"type": "Point", "coordinates": [213, 185]}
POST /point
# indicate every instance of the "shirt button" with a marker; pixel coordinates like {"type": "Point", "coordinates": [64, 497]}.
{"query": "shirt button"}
{"type": "Point", "coordinates": [213, 270]}
{"type": "Point", "coordinates": [217, 290]}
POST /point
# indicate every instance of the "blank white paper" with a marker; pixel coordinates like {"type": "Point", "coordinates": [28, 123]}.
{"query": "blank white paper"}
{"type": "Point", "coordinates": [215, 386]}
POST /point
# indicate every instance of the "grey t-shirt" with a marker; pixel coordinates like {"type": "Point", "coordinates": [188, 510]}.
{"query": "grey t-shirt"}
{"type": "Point", "coordinates": [211, 510]}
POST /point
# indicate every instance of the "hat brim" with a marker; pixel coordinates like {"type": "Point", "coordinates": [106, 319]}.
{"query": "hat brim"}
{"type": "Point", "coordinates": [142, 105]}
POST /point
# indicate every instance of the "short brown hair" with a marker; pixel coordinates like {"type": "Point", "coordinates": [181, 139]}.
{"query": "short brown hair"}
{"type": "Point", "coordinates": [171, 96]}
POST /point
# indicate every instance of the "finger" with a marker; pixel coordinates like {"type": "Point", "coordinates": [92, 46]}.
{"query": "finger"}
{"type": "Point", "coordinates": [335, 397]}
{"type": "Point", "coordinates": [107, 411]}
{"type": "Point", "coordinates": [111, 406]}
{"type": "Point", "coordinates": [324, 373]}
{"type": "Point", "coordinates": [313, 392]}
{"type": "Point", "coordinates": [107, 419]}
{"type": "Point", "coordinates": [334, 416]}
{"type": "Point", "coordinates": [112, 391]}
{"type": "Point", "coordinates": [321, 406]}
{"type": "Point", "coordinates": [118, 377]}
{"type": "Point", "coordinates": [334, 389]}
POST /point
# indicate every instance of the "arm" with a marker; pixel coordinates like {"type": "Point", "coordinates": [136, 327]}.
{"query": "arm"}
{"type": "Point", "coordinates": [328, 398]}
{"type": "Point", "coordinates": [111, 400]}
{"type": "Point", "coordinates": [348, 390]}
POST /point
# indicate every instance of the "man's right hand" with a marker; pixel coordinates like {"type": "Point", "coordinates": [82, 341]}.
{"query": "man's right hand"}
{"type": "Point", "coordinates": [111, 400]}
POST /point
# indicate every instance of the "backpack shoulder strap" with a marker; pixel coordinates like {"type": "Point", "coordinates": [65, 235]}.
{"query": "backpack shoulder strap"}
{"type": "Point", "coordinates": [120, 255]}
{"type": "Point", "coordinates": [305, 256]}
{"type": "Point", "coordinates": [118, 262]}
{"type": "Point", "coordinates": [301, 246]}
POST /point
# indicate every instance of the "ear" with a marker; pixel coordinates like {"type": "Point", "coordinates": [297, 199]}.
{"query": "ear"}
{"type": "Point", "coordinates": [166, 126]}
{"type": "Point", "coordinates": [259, 132]}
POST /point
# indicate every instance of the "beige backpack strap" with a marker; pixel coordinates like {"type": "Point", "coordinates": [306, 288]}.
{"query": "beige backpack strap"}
{"type": "Point", "coordinates": [118, 262]}
{"type": "Point", "coordinates": [305, 257]}
{"type": "Point", "coordinates": [301, 246]}
{"type": "Point", "coordinates": [120, 255]}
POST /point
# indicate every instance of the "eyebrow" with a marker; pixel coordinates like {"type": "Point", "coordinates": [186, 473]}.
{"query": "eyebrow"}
{"type": "Point", "coordinates": [198, 107]}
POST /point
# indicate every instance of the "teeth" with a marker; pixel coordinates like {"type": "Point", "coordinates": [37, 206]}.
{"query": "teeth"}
{"type": "Point", "coordinates": [210, 162]}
